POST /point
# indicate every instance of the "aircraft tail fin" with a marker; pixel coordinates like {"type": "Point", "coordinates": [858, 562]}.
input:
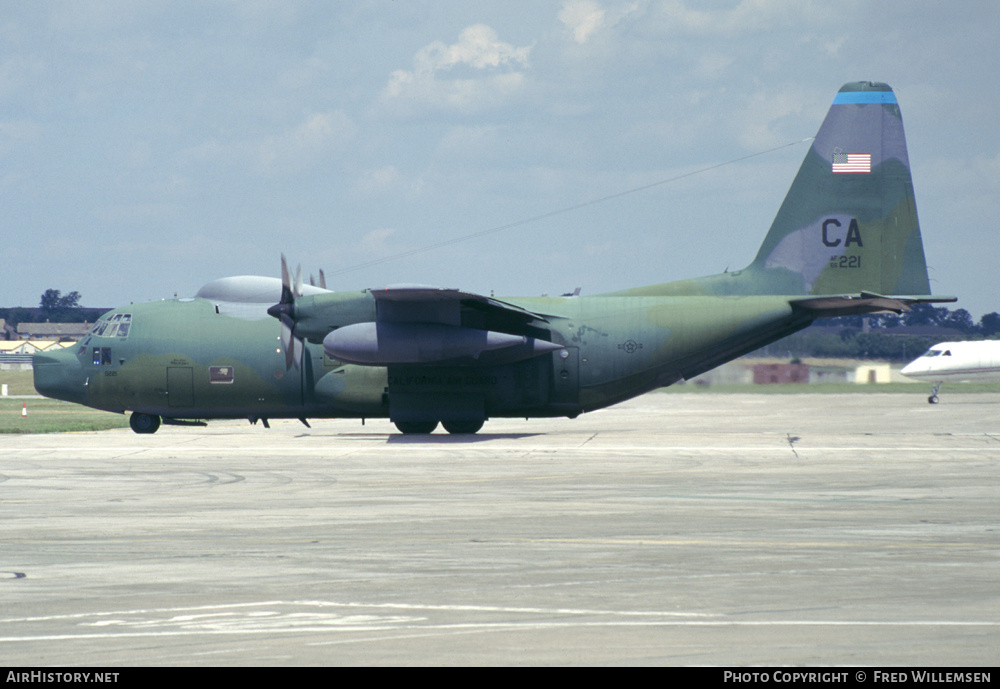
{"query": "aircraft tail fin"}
{"type": "Point", "coordinates": [849, 221]}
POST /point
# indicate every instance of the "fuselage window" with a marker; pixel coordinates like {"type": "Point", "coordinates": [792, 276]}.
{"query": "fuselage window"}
{"type": "Point", "coordinates": [102, 356]}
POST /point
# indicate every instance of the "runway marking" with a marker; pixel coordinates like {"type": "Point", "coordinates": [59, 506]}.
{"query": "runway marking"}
{"type": "Point", "coordinates": [341, 604]}
{"type": "Point", "coordinates": [408, 620]}
{"type": "Point", "coordinates": [738, 543]}
{"type": "Point", "coordinates": [471, 627]}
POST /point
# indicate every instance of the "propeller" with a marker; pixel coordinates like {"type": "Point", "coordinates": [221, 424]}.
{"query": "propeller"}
{"type": "Point", "coordinates": [284, 311]}
{"type": "Point", "coordinates": [322, 279]}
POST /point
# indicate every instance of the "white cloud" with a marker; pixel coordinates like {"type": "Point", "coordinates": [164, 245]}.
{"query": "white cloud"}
{"type": "Point", "coordinates": [377, 181]}
{"type": "Point", "coordinates": [319, 135]}
{"type": "Point", "coordinates": [478, 71]}
{"type": "Point", "coordinates": [374, 243]}
{"type": "Point", "coordinates": [478, 46]}
{"type": "Point", "coordinates": [299, 147]}
{"type": "Point", "coordinates": [582, 18]}
{"type": "Point", "coordinates": [762, 122]}
{"type": "Point", "coordinates": [747, 15]}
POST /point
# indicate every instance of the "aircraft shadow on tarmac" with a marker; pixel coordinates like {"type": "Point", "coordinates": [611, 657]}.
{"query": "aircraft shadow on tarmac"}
{"type": "Point", "coordinates": [435, 439]}
{"type": "Point", "coordinates": [456, 439]}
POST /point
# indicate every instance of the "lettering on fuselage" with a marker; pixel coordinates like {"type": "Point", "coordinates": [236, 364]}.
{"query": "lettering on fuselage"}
{"type": "Point", "coordinates": [845, 262]}
{"type": "Point", "coordinates": [831, 239]}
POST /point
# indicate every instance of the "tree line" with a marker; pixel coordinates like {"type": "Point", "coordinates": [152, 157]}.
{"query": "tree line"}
{"type": "Point", "coordinates": [53, 307]}
{"type": "Point", "coordinates": [886, 336]}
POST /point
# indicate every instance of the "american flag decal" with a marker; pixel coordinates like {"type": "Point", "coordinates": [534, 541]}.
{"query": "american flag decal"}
{"type": "Point", "coordinates": [852, 162]}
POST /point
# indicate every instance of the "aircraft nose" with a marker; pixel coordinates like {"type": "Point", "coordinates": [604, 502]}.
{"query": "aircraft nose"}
{"type": "Point", "coordinates": [59, 375]}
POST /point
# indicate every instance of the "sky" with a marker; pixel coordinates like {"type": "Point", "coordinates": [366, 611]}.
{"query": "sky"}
{"type": "Point", "coordinates": [148, 147]}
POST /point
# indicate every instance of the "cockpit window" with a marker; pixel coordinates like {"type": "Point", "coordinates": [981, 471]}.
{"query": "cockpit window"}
{"type": "Point", "coordinates": [117, 325]}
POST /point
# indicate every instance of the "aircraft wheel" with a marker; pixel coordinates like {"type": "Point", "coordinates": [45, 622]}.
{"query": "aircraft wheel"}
{"type": "Point", "coordinates": [416, 427]}
{"type": "Point", "coordinates": [144, 423]}
{"type": "Point", "coordinates": [462, 427]}
{"type": "Point", "coordinates": [933, 399]}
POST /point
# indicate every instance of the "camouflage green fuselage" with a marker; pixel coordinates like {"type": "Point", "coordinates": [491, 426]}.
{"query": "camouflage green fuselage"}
{"type": "Point", "coordinates": [181, 359]}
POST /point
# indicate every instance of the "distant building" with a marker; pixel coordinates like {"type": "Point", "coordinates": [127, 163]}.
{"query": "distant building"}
{"type": "Point", "coordinates": [53, 331]}
{"type": "Point", "coordinates": [873, 373]}
{"type": "Point", "coordinates": [15, 355]}
{"type": "Point", "coordinates": [764, 374]}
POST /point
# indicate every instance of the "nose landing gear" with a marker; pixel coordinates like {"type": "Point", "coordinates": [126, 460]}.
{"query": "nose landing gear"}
{"type": "Point", "coordinates": [933, 399]}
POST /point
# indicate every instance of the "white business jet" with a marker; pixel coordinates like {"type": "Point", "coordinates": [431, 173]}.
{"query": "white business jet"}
{"type": "Point", "coordinates": [956, 361]}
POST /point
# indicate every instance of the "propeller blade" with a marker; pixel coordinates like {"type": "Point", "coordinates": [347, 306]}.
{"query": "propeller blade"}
{"type": "Point", "coordinates": [284, 311]}
{"type": "Point", "coordinates": [287, 297]}
{"type": "Point", "coordinates": [322, 278]}
{"type": "Point", "coordinates": [287, 340]}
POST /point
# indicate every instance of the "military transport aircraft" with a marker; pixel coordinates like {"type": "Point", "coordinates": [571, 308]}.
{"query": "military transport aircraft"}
{"type": "Point", "coordinates": [956, 361]}
{"type": "Point", "coordinates": [845, 241]}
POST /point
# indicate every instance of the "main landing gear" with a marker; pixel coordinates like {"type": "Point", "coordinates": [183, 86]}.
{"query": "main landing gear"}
{"type": "Point", "coordinates": [144, 423]}
{"type": "Point", "coordinates": [416, 427]}
{"type": "Point", "coordinates": [427, 427]}
{"type": "Point", "coordinates": [462, 427]}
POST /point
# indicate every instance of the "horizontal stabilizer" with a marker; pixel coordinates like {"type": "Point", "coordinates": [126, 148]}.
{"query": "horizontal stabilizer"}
{"type": "Point", "coordinates": [859, 304]}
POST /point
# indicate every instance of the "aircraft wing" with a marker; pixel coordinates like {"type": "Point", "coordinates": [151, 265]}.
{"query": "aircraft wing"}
{"type": "Point", "coordinates": [417, 325]}
{"type": "Point", "coordinates": [859, 304]}
{"type": "Point", "coordinates": [419, 303]}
